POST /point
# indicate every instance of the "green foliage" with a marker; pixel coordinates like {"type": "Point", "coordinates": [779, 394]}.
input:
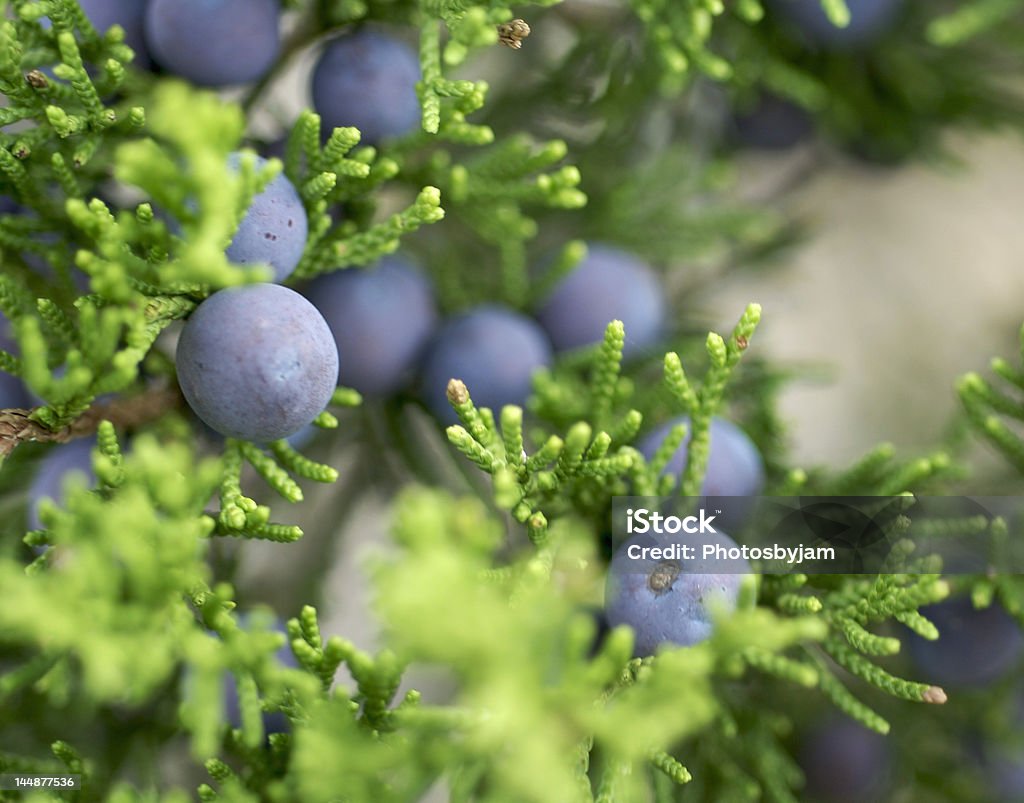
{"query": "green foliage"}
{"type": "Point", "coordinates": [511, 710]}
{"type": "Point", "coordinates": [993, 409]}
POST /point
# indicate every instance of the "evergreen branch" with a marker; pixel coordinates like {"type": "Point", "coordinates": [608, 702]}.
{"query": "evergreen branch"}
{"type": "Point", "coordinates": [785, 668]}
{"type": "Point", "coordinates": [17, 425]}
{"type": "Point", "coordinates": [865, 642]}
{"type": "Point", "coordinates": [918, 624]}
{"type": "Point", "coordinates": [301, 465]}
{"type": "Point", "coordinates": [700, 405]}
{"type": "Point", "coordinates": [875, 675]}
{"type": "Point", "coordinates": [672, 768]}
{"type": "Point", "coordinates": [365, 247]}
{"type": "Point", "coordinates": [275, 476]}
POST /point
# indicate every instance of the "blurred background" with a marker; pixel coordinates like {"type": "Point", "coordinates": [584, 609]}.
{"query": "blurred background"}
{"type": "Point", "coordinates": [909, 277]}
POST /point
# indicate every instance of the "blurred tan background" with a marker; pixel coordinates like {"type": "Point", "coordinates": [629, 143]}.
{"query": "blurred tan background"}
{"type": "Point", "coordinates": [911, 277]}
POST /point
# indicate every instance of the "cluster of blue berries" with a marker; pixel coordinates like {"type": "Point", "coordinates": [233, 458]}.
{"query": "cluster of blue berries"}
{"type": "Point", "coordinates": [259, 362]}
{"type": "Point", "coordinates": [496, 350]}
{"type": "Point", "coordinates": [364, 78]}
{"type": "Point", "coordinates": [176, 35]}
{"type": "Point", "coordinates": [385, 321]}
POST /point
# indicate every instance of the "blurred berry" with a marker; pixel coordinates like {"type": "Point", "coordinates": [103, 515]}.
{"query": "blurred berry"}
{"type": "Point", "coordinates": [734, 467]}
{"type": "Point", "coordinates": [844, 762]}
{"type": "Point", "coordinates": [670, 601]}
{"type": "Point", "coordinates": [975, 647]}
{"type": "Point", "coordinates": [367, 80]}
{"type": "Point", "coordinates": [772, 124]}
{"type": "Point", "coordinates": [53, 472]}
{"type": "Point", "coordinates": [608, 284]}
{"type": "Point", "coordinates": [381, 318]}
{"type": "Point", "coordinates": [869, 21]}
{"type": "Point", "coordinates": [129, 14]}
{"type": "Point", "coordinates": [214, 42]}
{"type": "Point", "coordinates": [493, 350]}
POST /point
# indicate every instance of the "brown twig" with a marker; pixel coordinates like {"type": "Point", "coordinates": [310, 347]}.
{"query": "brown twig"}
{"type": "Point", "coordinates": [16, 426]}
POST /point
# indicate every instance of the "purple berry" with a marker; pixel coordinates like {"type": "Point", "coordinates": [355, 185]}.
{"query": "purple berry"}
{"type": "Point", "coordinates": [126, 13]}
{"type": "Point", "coordinates": [975, 647]}
{"type": "Point", "coordinates": [50, 478]}
{"type": "Point", "coordinates": [1007, 773]}
{"type": "Point", "coordinates": [869, 20]}
{"type": "Point", "coordinates": [998, 756]}
{"type": "Point", "coordinates": [214, 42]}
{"type": "Point", "coordinates": [844, 762]}
{"type": "Point", "coordinates": [273, 721]}
{"type": "Point", "coordinates": [274, 229]}
{"type": "Point", "coordinates": [493, 350]}
{"type": "Point", "coordinates": [670, 601]}
{"type": "Point", "coordinates": [12, 392]}
{"type": "Point", "coordinates": [607, 285]}
{"type": "Point", "coordinates": [12, 389]}
{"type": "Point", "coordinates": [381, 319]}
{"type": "Point", "coordinates": [772, 124]}
{"type": "Point", "coordinates": [367, 80]}
{"type": "Point", "coordinates": [257, 362]}
{"type": "Point", "coordinates": [734, 468]}
{"type": "Point", "coordinates": [734, 464]}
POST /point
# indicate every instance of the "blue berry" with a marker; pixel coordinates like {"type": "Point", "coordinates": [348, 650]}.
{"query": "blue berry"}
{"type": "Point", "coordinates": [974, 648]}
{"type": "Point", "coordinates": [772, 124]}
{"type": "Point", "coordinates": [257, 362]}
{"type": "Point", "coordinates": [214, 42]}
{"type": "Point", "coordinates": [12, 389]}
{"type": "Point", "coordinates": [670, 601]}
{"type": "Point", "coordinates": [273, 721]}
{"type": "Point", "coordinates": [126, 13]}
{"type": "Point", "coordinates": [381, 318]}
{"type": "Point", "coordinates": [734, 468]}
{"type": "Point", "coordinates": [12, 392]}
{"type": "Point", "coordinates": [844, 762]}
{"type": "Point", "coordinates": [869, 20]}
{"type": "Point", "coordinates": [1008, 779]}
{"type": "Point", "coordinates": [734, 464]}
{"type": "Point", "coordinates": [52, 474]}
{"type": "Point", "coordinates": [274, 229]}
{"type": "Point", "coordinates": [367, 80]}
{"type": "Point", "coordinates": [493, 350]}
{"type": "Point", "coordinates": [607, 285]}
